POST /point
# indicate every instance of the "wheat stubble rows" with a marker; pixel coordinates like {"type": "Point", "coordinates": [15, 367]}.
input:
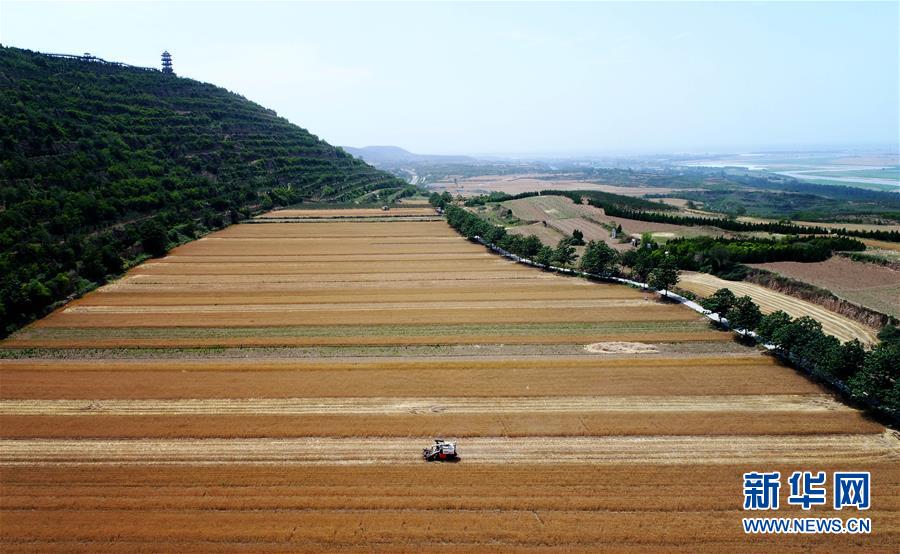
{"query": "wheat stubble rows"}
{"type": "Point", "coordinates": [577, 452]}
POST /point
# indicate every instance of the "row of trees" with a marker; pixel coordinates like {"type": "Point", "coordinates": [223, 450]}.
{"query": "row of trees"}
{"type": "Point", "coordinates": [593, 197]}
{"type": "Point", "coordinates": [659, 270]}
{"type": "Point", "coordinates": [780, 227]}
{"type": "Point", "coordinates": [719, 256]}
{"type": "Point", "coordinates": [871, 376]}
{"type": "Point", "coordinates": [441, 200]}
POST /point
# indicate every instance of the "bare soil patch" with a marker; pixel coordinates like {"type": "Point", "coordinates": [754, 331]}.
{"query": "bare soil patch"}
{"type": "Point", "coordinates": [621, 348]}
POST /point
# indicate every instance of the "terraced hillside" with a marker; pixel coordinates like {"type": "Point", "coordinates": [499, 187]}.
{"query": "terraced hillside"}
{"type": "Point", "coordinates": [270, 387]}
{"type": "Point", "coordinates": [102, 164]}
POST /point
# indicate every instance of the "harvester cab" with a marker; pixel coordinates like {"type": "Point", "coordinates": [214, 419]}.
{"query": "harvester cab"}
{"type": "Point", "coordinates": [440, 451]}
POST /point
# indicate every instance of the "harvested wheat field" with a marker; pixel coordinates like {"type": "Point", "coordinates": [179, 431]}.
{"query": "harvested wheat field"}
{"type": "Point", "coordinates": [769, 301]}
{"type": "Point", "coordinates": [357, 212]}
{"type": "Point", "coordinates": [589, 416]}
{"type": "Point", "coordinates": [559, 216]}
{"type": "Point", "coordinates": [869, 285]}
{"type": "Point", "coordinates": [519, 183]}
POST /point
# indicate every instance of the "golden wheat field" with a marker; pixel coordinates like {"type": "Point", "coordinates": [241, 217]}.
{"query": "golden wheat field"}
{"type": "Point", "coordinates": [270, 387]}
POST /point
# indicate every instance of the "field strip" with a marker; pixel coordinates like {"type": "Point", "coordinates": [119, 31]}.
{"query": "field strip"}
{"type": "Point", "coordinates": [141, 297]}
{"type": "Point", "coordinates": [137, 283]}
{"type": "Point", "coordinates": [438, 277]}
{"type": "Point", "coordinates": [342, 239]}
{"type": "Point", "coordinates": [361, 219]}
{"type": "Point", "coordinates": [359, 306]}
{"type": "Point", "coordinates": [299, 257]}
{"type": "Point", "coordinates": [389, 329]}
{"type": "Point", "coordinates": [770, 301]}
{"type": "Point", "coordinates": [337, 280]}
{"type": "Point", "coordinates": [350, 212]}
{"type": "Point", "coordinates": [392, 406]}
{"type": "Point", "coordinates": [361, 340]}
{"type": "Point", "coordinates": [494, 364]}
{"type": "Point", "coordinates": [665, 450]}
{"type": "Point", "coordinates": [326, 267]}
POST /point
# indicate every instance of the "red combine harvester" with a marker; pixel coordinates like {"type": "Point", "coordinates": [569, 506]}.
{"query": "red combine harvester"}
{"type": "Point", "coordinates": [441, 451]}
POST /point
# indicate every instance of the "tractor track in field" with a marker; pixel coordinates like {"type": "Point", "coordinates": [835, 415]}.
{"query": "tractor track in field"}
{"type": "Point", "coordinates": [663, 450]}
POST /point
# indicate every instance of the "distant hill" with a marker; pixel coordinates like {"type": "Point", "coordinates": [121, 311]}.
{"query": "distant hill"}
{"type": "Point", "coordinates": [101, 165]}
{"type": "Point", "coordinates": [394, 155]}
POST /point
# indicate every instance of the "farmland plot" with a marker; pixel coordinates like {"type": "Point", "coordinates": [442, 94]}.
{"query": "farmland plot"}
{"type": "Point", "coordinates": [769, 301]}
{"type": "Point", "coordinates": [210, 433]}
{"type": "Point", "coordinates": [869, 285]}
{"type": "Point", "coordinates": [348, 213]}
{"type": "Point", "coordinates": [519, 183]}
{"type": "Point", "coordinates": [559, 216]}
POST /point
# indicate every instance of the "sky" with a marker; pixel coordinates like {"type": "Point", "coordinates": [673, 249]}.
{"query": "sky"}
{"type": "Point", "coordinates": [519, 78]}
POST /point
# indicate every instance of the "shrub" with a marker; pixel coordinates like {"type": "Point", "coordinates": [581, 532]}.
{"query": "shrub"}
{"type": "Point", "coordinates": [154, 239]}
{"type": "Point", "coordinates": [577, 238]}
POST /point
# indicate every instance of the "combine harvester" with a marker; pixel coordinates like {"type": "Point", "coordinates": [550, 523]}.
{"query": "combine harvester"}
{"type": "Point", "coordinates": [441, 451]}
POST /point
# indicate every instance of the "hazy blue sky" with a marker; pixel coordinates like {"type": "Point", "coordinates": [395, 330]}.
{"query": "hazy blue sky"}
{"type": "Point", "coordinates": [519, 77]}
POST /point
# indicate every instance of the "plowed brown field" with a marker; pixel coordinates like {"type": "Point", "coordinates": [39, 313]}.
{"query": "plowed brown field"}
{"type": "Point", "coordinates": [870, 285]}
{"type": "Point", "coordinates": [261, 451]}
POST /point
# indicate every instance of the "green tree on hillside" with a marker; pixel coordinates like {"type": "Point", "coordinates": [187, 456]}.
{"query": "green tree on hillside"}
{"type": "Point", "coordinates": [154, 239]}
{"type": "Point", "coordinates": [577, 238]}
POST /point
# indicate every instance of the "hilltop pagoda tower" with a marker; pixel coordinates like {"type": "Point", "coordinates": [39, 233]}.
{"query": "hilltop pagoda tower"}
{"type": "Point", "coordinates": [167, 63]}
